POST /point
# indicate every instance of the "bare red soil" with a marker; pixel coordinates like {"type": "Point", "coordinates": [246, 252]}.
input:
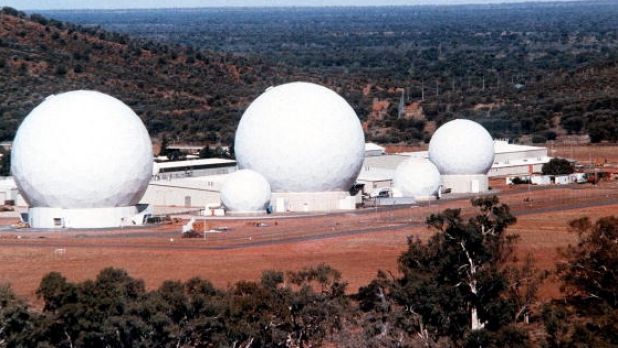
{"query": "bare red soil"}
{"type": "Point", "coordinates": [358, 243]}
{"type": "Point", "coordinates": [599, 153]}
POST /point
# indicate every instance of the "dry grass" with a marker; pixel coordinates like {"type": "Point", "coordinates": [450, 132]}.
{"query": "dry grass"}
{"type": "Point", "coordinates": [370, 241]}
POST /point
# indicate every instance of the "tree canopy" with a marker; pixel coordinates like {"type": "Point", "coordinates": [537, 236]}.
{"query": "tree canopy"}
{"type": "Point", "coordinates": [557, 166]}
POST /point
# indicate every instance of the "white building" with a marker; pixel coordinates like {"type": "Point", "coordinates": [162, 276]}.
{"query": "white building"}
{"type": "Point", "coordinates": [510, 159]}
{"type": "Point", "coordinates": [372, 149]}
{"type": "Point", "coordinates": [188, 192]}
{"type": "Point", "coordinates": [9, 192]}
{"type": "Point", "coordinates": [513, 159]}
{"type": "Point", "coordinates": [197, 167]}
{"type": "Point", "coordinates": [376, 179]}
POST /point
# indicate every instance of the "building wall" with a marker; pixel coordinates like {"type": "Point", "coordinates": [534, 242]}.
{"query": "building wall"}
{"type": "Point", "coordinates": [82, 218]}
{"type": "Point", "coordinates": [374, 186]}
{"type": "Point", "coordinates": [384, 162]}
{"type": "Point", "coordinates": [370, 153]}
{"type": "Point", "coordinates": [525, 169]}
{"type": "Point", "coordinates": [466, 183]}
{"type": "Point", "coordinates": [310, 201]}
{"type": "Point", "coordinates": [506, 157]}
{"type": "Point", "coordinates": [193, 173]}
{"type": "Point", "coordinates": [9, 191]}
{"type": "Point", "coordinates": [166, 195]}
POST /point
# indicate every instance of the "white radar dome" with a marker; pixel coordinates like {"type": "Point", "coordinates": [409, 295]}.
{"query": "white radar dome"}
{"type": "Point", "coordinates": [245, 191]}
{"type": "Point", "coordinates": [303, 138]}
{"type": "Point", "coordinates": [82, 149]}
{"type": "Point", "coordinates": [417, 177]}
{"type": "Point", "coordinates": [462, 147]}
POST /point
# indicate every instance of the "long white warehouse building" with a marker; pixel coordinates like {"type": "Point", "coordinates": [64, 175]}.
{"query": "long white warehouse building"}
{"type": "Point", "coordinates": [510, 159]}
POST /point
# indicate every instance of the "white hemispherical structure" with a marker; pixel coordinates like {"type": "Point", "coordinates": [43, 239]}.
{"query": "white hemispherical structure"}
{"type": "Point", "coordinates": [462, 147]}
{"type": "Point", "coordinates": [245, 191]}
{"type": "Point", "coordinates": [301, 137]}
{"type": "Point", "coordinates": [82, 149]}
{"type": "Point", "coordinates": [417, 177]}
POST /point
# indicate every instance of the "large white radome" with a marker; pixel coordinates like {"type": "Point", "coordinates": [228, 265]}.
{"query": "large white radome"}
{"type": "Point", "coordinates": [301, 137]}
{"type": "Point", "coordinates": [462, 147]}
{"type": "Point", "coordinates": [417, 177]}
{"type": "Point", "coordinates": [245, 191]}
{"type": "Point", "coordinates": [82, 149]}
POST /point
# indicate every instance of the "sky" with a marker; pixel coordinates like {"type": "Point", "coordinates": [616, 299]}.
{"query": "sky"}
{"type": "Point", "coordinates": [124, 4]}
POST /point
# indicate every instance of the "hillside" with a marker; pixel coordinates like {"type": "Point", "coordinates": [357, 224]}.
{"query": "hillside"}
{"type": "Point", "coordinates": [549, 80]}
{"type": "Point", "coordinates": [186, 94]}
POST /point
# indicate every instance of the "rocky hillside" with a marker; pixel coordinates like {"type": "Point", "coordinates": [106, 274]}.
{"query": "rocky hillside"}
{"type": "Point", "coordinates": [177, 91]}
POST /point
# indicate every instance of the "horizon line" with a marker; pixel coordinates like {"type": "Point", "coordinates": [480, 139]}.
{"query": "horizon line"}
{"type": "Point", "coordinates": [306, 6]}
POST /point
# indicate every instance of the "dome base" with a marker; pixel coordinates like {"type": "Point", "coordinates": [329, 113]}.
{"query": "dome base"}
{"type": "Point", "coordinates": [245, 213]}
{"type": "Point", "coordinates": [58, 218]}
{"type": "Point", "coordinates": [425, 199]}
{"type": "Point", "coordinates": [474, 183]}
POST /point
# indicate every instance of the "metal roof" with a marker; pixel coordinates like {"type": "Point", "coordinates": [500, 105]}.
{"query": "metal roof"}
{"type": "Point", "coordinates": [374, 147]}
{"type": "Point", "coordinates": [501, 146]}
{"type": "Point", "coordinates": [376, 174]}
{"type": "Point", "coordinates": [194, 163]}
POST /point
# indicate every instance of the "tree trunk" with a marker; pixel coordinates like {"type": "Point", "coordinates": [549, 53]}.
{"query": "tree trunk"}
{"type": "Point", "coordinates": [476, 323]}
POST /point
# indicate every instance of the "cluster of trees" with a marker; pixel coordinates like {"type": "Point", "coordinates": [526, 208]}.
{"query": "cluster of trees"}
{"type": "Point", "coordinates": [538, 78]}
{"type": "Point", "coordinates": [178, 91]}
{"type": "Point", "coordinates": [535, 76]}
{"type": "Point", "coordinates": [115, 310]}
{"type": "Point", "coordinates": [588, 315]}
{"type": "Point", "coordinates": [463, 287]}
{"type": "Point", "coordinates": [208, 151]}
{"type": "Point", "coordinates": [557, 166]}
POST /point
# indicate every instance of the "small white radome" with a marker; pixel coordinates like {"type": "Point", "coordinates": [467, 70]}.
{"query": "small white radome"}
{"type": "Point", "coordinates": [82, 149]}
{"type": "Point", "coordinates": [417, 177]}
{"type": "Point", "coordinates": [462, 147]}
{"type": "Point", "coordinates": [301, 137]}
{"type": "Point", "coordinates": [245, 191]}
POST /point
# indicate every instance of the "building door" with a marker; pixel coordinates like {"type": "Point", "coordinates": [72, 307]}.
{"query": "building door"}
{"type": "Point", "coordinates": [187, 201]}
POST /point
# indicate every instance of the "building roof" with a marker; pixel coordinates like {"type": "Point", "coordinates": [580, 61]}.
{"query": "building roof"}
{"type": "Point", "coordinates": [384, 161]}
{"type": "Point", "coordinates": [374, 147]}
{"type": "Point", "coordinates": [415, 154]}
{"type": "Point", "coordinates": [379, 168]}
{"type": "Point", "coordinates": [195, 163]}
{"type": "Point", "coordinates": [376, 174]}
{"type": "Point", "coordinates": [502, 146]}
{"type": "Point", "coordinates": [185, 147]}
{"type": "Point", "coordinates": [7, 183]}
{"type": "Point", "coordinates": [206, 183]}
{"type": "Point", "coordinates": [521, 162]}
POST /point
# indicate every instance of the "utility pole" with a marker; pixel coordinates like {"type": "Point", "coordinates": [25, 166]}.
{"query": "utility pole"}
{"type": "Point", "coordinates": [402, 104]}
